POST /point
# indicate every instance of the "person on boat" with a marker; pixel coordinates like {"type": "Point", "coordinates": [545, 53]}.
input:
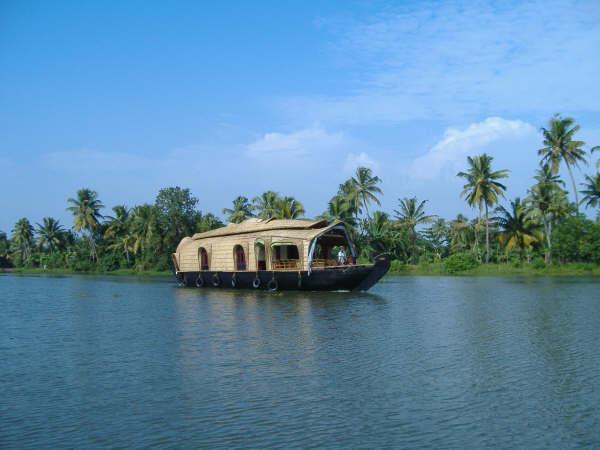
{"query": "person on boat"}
{"type": "Point", "coordinates": [341, 257]}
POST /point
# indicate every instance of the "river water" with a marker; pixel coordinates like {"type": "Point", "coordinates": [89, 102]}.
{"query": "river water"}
{"type": "Point", "coordinates": [459, 362]}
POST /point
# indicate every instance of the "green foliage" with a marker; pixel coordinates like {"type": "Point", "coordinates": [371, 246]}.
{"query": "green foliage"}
{"type": "Point", "coordinates": [577, 239]}
{"type": "Point", "coordinates": [460, 262]}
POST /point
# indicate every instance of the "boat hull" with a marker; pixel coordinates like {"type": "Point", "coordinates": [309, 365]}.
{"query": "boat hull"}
{"type": "Point", "coordinates": [346, 278]}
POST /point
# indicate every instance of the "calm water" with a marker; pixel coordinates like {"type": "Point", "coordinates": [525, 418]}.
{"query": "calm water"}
{"type": "Point", "coordinates": [417, 362]}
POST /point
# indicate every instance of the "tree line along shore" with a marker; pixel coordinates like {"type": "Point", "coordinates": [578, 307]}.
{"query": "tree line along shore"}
{"type": "Point", "coordinates": [544, 231]}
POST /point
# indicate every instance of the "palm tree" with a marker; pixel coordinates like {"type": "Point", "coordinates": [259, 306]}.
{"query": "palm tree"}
{"type": "Point", "coordinates": [561, 147]}
{"type": "Point", "coordinates": [124, 243]}
{"type": "Point", "coordinates": [86, 215]}
{"type": "Point", "coordinates": [289, 208]}
{"type": "Point", "coordinates": [266, 204]}
{"type": "Point", "coordinates": [364, 188]}
{"type": "Point", "coordinates": [22, 238]}
{"type": "Point", "coordinates": [143, 227]}
{"type": "Point", "coordinates": [240, 211]}
{"type": "Point", "coordinates": [459, 233]}
{"type": "Point", "coordinates": [338, 208]}
{"type": "Point", "coordinates": [378, 234]}
{"type": "Point", "coordinates": [518, 230]}
{"type": "Point", "coordinates": [547, 201]}
{"type": "Point", "coordinates": [591, 193]}
{"type": "Point", "coordinates": [208, 222]}
{"type": "Point", "coordinates": [483, 189]}
{"type": "Point", "coordinates": [411, 213]}
{"type": "Point", "coordinates": [596, 149]}
{"type": "Point", "coordinates": [50, 234]}
{"type": "Point", "coordinates": [117, 224]}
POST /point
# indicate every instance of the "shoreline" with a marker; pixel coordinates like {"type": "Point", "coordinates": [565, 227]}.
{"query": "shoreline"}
{"type": "Point", "coordinates": [434, 269]}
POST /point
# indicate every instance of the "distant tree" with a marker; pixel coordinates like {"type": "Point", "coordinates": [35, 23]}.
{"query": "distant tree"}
{"type": "Point", "coordinates": [144, 229]}
{"type": "Point", "coordinates": [266, 204]}
{"type": "Point", "coordinates": [410, 214]}
{"type": "Point", "coordinates": [596, 149]}
{"type": "Point", "coordinates": [289, 208]}
{"type": "Point", "coordinates": [240, 211]}
{"type": "Point", "coordinates": [176, 208]}
{"type": "Point", "coordinates": [364, 189]}
{"type": "Point", "coordinates": [4, 249]}
{"type": "Point", "coordinates": [560, 146]}
{"type": "Point", "coordinates": [338, 208]}
{"type": "Point", "coordinates": [517, 229]}
{"type": "Point", "coordinates": [482, 188]}
{"type": "Point", "coordinates": [118, 224]}
{"type": "Point", "coordinates": [438, 237]}
{"type": "Point", "coordinates": [86, 215]}
{"type": "Point", "coordinates": [591, 191]}
{"type": "Point", "coordinates": [50, 235]}
{"type": "Point", "coordinates": [22, 239]}
{"type": "Point", "coordinates": [379, 235]}
{"type": "Point", "coordinates": [547, 202]}
{"type": "Point", "coordinates": [208, 222]}
{"type": "Point", "coordinates": [459, 234]}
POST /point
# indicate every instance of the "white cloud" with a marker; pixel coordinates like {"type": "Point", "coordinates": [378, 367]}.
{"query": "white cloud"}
{"type": "Point", "coordinates": [423, 60]}
{"type": "Point", "coordinates": [294, 145]}
{"type": "Point", "coordinates": [450, 152]}
{"type": "Point", "coordinates": [361, 159]}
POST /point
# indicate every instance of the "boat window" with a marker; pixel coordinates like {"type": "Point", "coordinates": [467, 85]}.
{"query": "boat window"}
{"type": "Point", "coordinates": [239, 257]}
{"type": "Point", "coordinates": [259, 251]}
{"type": "Point", "coordinates": [203, 259]}
{"type": "Point", "coordinates": [285, 256]}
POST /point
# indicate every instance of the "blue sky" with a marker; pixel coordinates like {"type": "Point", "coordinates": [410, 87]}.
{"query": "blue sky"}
{"type": "Point", "coordinates": [236, 98]}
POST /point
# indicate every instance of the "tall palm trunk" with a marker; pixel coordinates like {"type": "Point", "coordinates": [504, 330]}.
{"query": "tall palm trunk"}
{"type": "Point", "coordinates": [487, 235]}
{"type": "Point", "coordinates": [366, 208]}
{"type": "Point", "coordinates": [574, 186]}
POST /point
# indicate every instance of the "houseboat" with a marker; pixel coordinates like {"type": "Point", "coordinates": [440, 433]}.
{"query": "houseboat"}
{"type": "Point", "coordinates": [275, 254]}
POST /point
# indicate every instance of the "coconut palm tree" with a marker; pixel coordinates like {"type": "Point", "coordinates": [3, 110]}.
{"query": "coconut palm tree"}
{"type": "Point", "coordinates": [591, 191]}
{"type": "Point", "coordinates": [4, 249]}
{"type": "Point", "coordinates": [240, 211]}
{"type": "Point", "coordinates": [117, 225]}
{"type": "Point", "coordinates": [410, 214]}
{"type": "Point", "coordinates": [547, 201]}
{"type": "Point", "coordinates": [208, 222]}
{"type": "Point", "coordinates": [338, 208]}
{"type": "Point", "coordinates": [560, 146]}
{"type": "Point", "coordinates": [22, 238]}
{"type": "Point", "coordinates": [438, 237]}
{"type": "Point", "coordinates": [482, 188]}
{"type": "Point", "coordinates": [289, 208]}
{"type": "Point", "coordinates": [517, 228]}
{"type": "Point", "coordinates": [596, 149]}
{"type": "Point", "coordinates": [379, 235]}
{"type": "Point", "coordinates": [143, 227]}
{"type": "Point", "coordinates": [266, 204]}
{"type": "Point", "coordinates": [346, 194]}
{"type": "Point", "coordinates": [364, 189]}
{"type": "Point", "coordinates": [86, 215]}
{"type": "Point", "coordinates": [459, 233]}
{"type": "Point", "coordinates": [50, 234]}
{"type": "Point", "coordinates": [124, 243]}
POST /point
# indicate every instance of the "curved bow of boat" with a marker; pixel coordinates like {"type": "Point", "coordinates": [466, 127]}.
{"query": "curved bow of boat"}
{"type": "Point", "coordinates": [380, 268]}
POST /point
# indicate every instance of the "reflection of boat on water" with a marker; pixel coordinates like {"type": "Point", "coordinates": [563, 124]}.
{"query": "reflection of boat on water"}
{"type": "Point", "coordinates": [275, 254]}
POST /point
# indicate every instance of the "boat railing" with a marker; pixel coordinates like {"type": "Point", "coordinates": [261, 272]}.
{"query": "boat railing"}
{"type": "Point", "coordinates": [286, 264]}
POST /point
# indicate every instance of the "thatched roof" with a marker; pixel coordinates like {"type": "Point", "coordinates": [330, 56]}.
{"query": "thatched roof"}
{"type": "Point", "coordinates": [254, 225]}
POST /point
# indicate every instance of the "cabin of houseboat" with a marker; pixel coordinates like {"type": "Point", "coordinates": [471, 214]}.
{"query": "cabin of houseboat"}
{"type": "Point", "coordinates": [285, 254]}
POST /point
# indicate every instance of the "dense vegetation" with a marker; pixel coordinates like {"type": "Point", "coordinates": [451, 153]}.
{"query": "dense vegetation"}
{"type": "Point", "coordinates": [540, 229]}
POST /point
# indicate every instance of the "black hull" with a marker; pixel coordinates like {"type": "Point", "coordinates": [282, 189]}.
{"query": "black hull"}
{"type": "Point", "coordinates": [343, 278]}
